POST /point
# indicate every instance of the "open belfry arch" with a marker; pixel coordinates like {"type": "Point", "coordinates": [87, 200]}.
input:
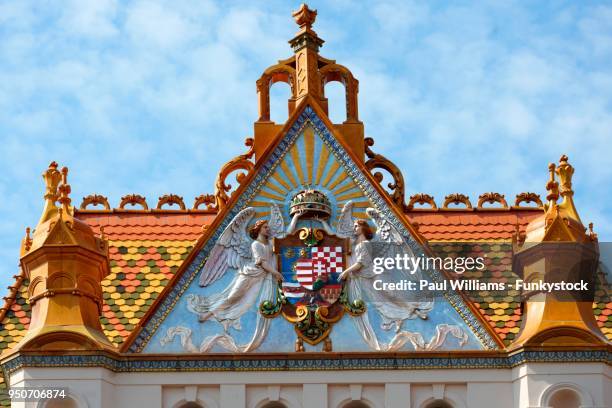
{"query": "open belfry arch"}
{"type": "Point", "coordinates": [172, 305]}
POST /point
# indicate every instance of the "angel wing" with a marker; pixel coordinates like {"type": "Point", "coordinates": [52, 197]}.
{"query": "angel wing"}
{"type": "Point", "coordinates": [345, 221]}
{"type": "Point", "coordinates": [385, 231]}
{"type": "Point", "coordinates": [388, 241]}
{"type": "Point", "coordinates": [276, 223]}
{"type": "Point", "coordinates": [396, 307]}
{"type": "Point", "coordinates": [233, 250]}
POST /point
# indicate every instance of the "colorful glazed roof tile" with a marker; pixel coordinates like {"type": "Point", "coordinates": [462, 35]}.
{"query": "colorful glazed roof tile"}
{"type": "Point", "coordinates": [146, 249]}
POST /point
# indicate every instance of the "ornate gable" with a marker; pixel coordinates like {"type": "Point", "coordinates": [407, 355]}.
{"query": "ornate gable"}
{"type": "Point", "coordinates": [308, 155]}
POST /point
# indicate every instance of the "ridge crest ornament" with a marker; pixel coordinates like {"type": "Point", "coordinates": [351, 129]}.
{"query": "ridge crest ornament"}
{"type": "Point", "coordinates": [312, 295]}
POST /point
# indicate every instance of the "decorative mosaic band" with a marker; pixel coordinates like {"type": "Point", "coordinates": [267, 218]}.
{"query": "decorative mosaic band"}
{"type": "Point", "coordinates": [212, 363]}
{"type": "Point", "coordinates": [308, 115]}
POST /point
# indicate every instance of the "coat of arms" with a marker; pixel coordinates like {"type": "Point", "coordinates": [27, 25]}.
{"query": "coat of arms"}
{"type": "Point", "coordinates": [311, 260]}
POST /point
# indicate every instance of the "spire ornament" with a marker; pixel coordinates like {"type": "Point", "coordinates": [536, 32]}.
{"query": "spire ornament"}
{"type": "Point", "coordinates": [306, 46]}
{"type": "Point", "coordinates": [565, 171]}
{"type": "Point", "coordinates": [64, 192]}
{"type": "Point", "coordinates": [27, 242]}
{"type": "Point", "coordinates": [305, 17]}
{"type": "Point", "coordinates": [552, 186]}
{"type": "Point", "coordinates": [52, 178]}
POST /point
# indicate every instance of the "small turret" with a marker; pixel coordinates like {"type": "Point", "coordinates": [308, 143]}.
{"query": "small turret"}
{"type": "Point", "coordinates": [557, 249]}
{"type": "Point", "coordinates": [64, 262]}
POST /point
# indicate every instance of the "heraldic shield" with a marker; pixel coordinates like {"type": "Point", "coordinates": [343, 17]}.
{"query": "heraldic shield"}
{"type": "Point", "coordinates": [312, 296]}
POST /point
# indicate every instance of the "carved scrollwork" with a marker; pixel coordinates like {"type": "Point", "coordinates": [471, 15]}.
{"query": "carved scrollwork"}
{"type": "Point", "coordinates": [171, 199]}
{"type": "Point", "coordinates": [379, 161]}
{"type": "Point", "coordinates": [457, 198]}
{"type": "Point", "coordinates": [492, 198]}
{"type": "Point", "coordinates": [242, 162]}
{"type": "Point", "coordinates": [95, 199]}
{"type": "Point", "coordinates": [133, 199]}
{"type": "Point", "coordinates": [421, 199]}
{"type": "Point", "coordinates": [208, 200]}
{"type": "Point", "coordinates": [528, 198]}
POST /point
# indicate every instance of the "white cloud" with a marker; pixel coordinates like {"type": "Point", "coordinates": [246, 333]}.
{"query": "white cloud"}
{"type": "Point", "coordinates": [90, 18]}
{"type": "Point", "coordinates": [153, 97]}
{"type": "Point", "coordinates": [158, 27]}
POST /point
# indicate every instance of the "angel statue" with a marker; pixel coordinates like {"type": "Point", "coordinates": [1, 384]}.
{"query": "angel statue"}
{"type": "Point", "coordinates": [255, 280]}
{"type": "Point", "coordinates": [393, 307]}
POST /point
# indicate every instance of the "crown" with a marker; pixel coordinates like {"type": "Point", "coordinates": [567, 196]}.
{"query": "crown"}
{"type": "Point", "coordinates": [312, 202]}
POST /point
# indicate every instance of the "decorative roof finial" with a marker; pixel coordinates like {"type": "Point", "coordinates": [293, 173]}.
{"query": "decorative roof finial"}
{"type": "Point", "coordinates": [52, 178]}
{"type": "Point", "coordinates": [305, 17]}
{"type": "Point", "coordinates": [306, 46]}
{"type": "Point", "coordinates": [306, 37]}
{"type": "Point", "coordinates": [552, 186]}
{"type": "Point", "coordinates": [64, 191]}
{"type": "Point", "coordinates": [565, 171]}
{"type": "Point", "coordinates": [27, 241]}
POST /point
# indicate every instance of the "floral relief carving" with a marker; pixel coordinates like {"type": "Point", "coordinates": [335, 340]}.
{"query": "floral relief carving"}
{"type": "Point", "coordinates": [208, 200]}
{"type": "Point", "coordinates": [457, 198]}
{"type": "Point", "coordinates": [492, 198]}
{"type": "Point", "coordinates": [171, 199]}
{"type": "Point", "coordinates": [528, 198]}
{"type": "Point", "coordinates": [133, 199]}
{"type": "Point", "coordinates": [421, 199]}
{"type": "Point", "coordinates": [95, 199]}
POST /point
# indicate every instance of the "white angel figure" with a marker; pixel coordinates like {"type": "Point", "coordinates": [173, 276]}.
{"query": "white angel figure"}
{"type": "Point", "coordinates": [393, 307]}
{"type": "Point", "coordinates": [256, 277]}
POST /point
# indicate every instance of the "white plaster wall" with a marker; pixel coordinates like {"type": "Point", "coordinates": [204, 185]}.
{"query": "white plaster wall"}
{"type": "Point", "coordinates": [592, 380]}
{"type": "Point", "coordinates": [522, 387]}
{"type": "Point", "coordinates": [455, 394]}
{"type": "Point", "coordinates": [259, 395]}
{"type": "Point", "coordinates": [480, 394]}
{"type": "Point", "coordinates": [371, 394]}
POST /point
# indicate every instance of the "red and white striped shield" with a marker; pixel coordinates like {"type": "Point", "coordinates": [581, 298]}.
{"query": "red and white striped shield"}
{"type": "Point", "coordinates": [309, 270]}
{"type": "Point", "coordinates": [314, 276]}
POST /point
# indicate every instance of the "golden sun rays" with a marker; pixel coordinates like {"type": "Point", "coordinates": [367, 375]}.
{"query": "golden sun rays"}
{"type": "Point", "coordinates": [309, 163]}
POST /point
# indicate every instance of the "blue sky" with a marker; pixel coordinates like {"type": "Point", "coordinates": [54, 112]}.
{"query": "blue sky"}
{"type": "Point", "coordinates": [153, 97]}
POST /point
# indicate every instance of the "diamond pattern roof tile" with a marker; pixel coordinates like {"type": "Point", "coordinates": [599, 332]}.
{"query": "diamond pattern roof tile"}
{"type": "Point", "coordinates": [147, 249]}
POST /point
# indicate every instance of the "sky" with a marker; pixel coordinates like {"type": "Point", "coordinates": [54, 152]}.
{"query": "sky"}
{"type": "Point", "coordinates": [153, 97]}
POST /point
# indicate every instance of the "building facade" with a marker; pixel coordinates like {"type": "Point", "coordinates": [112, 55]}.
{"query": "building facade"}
{"type": "Point", "coordinates": [266, 293]}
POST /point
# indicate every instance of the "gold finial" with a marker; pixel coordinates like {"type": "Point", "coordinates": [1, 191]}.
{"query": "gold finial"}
{"type": "Point", "coordinates": [64, 191]}
{"type": "Point", "coordinates": [565, 171]}
{"type": "Point", "coordinates": [27, 242]}
{"type": "Point", "coordinates": [52, 178]}
{"type": "Point", "coordinates": [305, 17]}
{"type": "Point", "coordinates": [552, 186]}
